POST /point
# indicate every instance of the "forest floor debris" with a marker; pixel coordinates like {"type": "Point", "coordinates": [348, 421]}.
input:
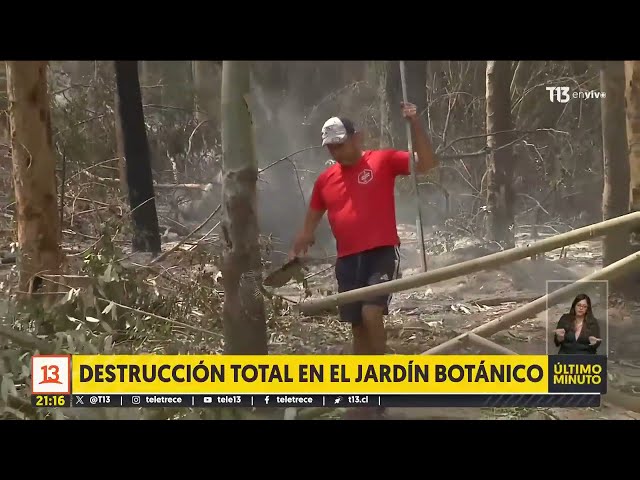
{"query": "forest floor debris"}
{"type": "Point", "coordinates": [425, 317]}
{"type": "Point", "coordinates": [418, 320]}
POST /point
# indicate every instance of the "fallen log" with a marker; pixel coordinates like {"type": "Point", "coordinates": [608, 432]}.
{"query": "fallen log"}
{"type": "Point", "coordinates": [495, 301]}
{"type": "Point", "coordinates": [492, 347]}
{"type": "Point", "coordinates": [7, 258]}
{"type": "Point", "coordinates": [157, 186]}
{"type": "Point", "coordinates": [164, 255]}
{"type": "Point", "coordinates": [494, 260]}
{"type": "Point", "coordinates": [621, 399]}
{"type": "Point", "coordinates": [185, 186]}
{"type": "Point", "coordinates": [26, 340]}
{"type": "Point", "coordinates": [615, 270]}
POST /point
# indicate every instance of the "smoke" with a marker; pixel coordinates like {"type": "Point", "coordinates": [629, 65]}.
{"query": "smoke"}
{"type": "Point", "coordinates": [284, 190]}
{"type": "Point", "coordinates": [284, 123]}
{"type": "Point", "coordinates": [283, 126]}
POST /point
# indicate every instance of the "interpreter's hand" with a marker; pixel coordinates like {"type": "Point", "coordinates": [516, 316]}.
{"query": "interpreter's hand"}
{"type": "Point", "coordinates": [409, 110]}
{"type": "Point", "coordinates": [593, 340]}
{"type": "Point", "coordinates": [560, 333]}
{"type": "Point", "coordinates": [301, 244]}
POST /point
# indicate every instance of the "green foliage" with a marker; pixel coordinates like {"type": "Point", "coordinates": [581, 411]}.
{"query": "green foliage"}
{"type": "Point", "coordinates": [83, 120]}
{"type": "Point", "coordinates": [82, 112]}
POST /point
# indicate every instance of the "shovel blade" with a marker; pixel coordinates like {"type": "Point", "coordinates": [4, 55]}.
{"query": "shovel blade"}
{"type": "Point", "coordinates": [282, 276]}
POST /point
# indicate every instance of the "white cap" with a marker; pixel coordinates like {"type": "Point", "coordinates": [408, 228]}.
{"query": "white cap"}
{"type": "Point", "coordinates": [335, 130]}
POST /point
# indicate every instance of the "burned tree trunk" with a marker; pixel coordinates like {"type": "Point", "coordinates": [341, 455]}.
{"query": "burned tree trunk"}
{"type": "Point", "coordinates": [500, 161]}
{"type": "Point", "coordinates": [385, 76]}
{"type": "Point", "coordinates": [146, 233]}
{"type": "Point", "coordinates": [416, 77]}
{"type": "Point", "coordinates": [34, 175]}
{"type": "Point", "coordinates": [632, 97]}
{"type": "Point", "coordinates": [206, 76]}
{"type": "Point", "coordinates": [245, 327]}
{"type": "Point", "coordinates": [393, 92]}
{"type": "Point", "coordinates": [122, 164]}
{"type": "Point", "coordinates": [615, 196]}
{"type": "Point", "coordinates": [3, 90]}
{"type": "Point", "coordinates": [379, 72]}
{"type": "Point", "coordinates": [206, 81]}
{"type": "Point", "coordinates": [154, 85]}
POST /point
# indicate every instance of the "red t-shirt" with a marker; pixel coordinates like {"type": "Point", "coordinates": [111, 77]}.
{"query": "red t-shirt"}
{"type": "Point", "coordinates": [360, 200]}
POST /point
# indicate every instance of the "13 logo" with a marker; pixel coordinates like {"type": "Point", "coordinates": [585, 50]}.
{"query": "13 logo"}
{"type": "Point", "coordinates": [51, 374]}
{"type": "Point", "coordinates": [559, 94]}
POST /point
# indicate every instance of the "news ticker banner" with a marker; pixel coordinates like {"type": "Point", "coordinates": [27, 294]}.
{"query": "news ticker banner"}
{"type": "Point", "coordinates": [330, 401]}
{"type": "Point", "coordinates": [194, 378]}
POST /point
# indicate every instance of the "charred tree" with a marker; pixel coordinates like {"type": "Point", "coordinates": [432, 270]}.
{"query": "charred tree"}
{"type": "Point", "coordinates": [416, 76]}
{"type": "Point", "coordinates": [500, 161]}
{"type": "Point", "coordinates": [393, 90]}
{"type": "Point", "coordinates": [378, 70]}
{"type": "Point", "coordinates": [206, 86]}
{"type": "Point", "coordinates": [3, 93]}
{"type": "Point", "coordinates": [615, 197]}
{"type": "Point", "coordinates": [632, 97]}
{"type": "Point", "coordinates": [206, 75]}
{"type": "Point", "coordinates": [122, 164]}
{"type": "Point", "coordinates": [387, 80]}
{"type": "Point", "coordinates": [152, 81]}
{"type": "Point", "coordinates": [244, 320]}
{"type": "Point", "coordinates": [146, 233]}
{"type": "Point", "coordinates": [34, 172]}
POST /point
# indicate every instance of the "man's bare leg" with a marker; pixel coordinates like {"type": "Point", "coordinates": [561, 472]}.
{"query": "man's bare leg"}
{"type": "Point", "coordinates": [360, 347]}
{"type": "Point", "coordinates": [360, 340]}
{"type": "Point", "coordinates": [373, 322]}
{"type": "Point", "coordinates": [373, 319]}
{"type": "Point", "coordinates": [369, 338]}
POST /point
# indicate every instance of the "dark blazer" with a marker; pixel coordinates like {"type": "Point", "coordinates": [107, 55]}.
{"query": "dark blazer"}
{"type": "Point", "coordinates": [579, 345]}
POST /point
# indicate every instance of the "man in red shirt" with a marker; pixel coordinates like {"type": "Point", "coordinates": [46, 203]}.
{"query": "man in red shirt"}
{"type": "Point", "coordinates": [357, 192]}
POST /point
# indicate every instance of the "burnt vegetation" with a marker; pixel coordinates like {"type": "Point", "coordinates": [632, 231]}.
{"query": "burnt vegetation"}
{"type": "Point", "coordinates": [104, 165]}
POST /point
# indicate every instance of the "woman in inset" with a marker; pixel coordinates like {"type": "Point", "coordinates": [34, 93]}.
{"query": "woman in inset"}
{"type": "Point", "coordinates": [578, 331]}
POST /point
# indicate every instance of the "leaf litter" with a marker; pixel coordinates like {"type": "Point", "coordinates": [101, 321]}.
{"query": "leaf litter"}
{"type": "Point", "coordinates": [125, 286]}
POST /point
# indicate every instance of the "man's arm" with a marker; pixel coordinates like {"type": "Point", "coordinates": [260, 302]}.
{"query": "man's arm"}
{"type": "Point", "coordinates": [317, 207]}
{"type": "Point", "coordinates": [400, 161]}
{"type": "Point", "coordinates": [422, 146]}
{"type": "Point", "coordinates": [311, 221]}
{"type": "Point", "coordinates": [306, 237]}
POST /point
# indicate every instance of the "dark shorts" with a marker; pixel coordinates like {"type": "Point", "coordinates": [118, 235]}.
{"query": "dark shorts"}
{"type": "Point", "coordinates": [361, 270]}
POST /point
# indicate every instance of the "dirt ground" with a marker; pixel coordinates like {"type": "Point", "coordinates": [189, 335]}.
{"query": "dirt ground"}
{"type": "Point", "coordinates": [425, 317]}
{"type": "Point", "coordinates": [428, 316]}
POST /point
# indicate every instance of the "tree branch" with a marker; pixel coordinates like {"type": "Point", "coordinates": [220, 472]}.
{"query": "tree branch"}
{"type": "Point", "coordinates": [486, 150]}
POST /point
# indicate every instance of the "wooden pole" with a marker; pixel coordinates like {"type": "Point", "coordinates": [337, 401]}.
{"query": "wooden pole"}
{"type": "Point", "coordinates": [489, 345]}
{"type": "Point", "coordinates": [615, 270]}
{"type": "Point", "coordinates": [484, 263]}
{"type": "Point", "coordinates": [414, 177]}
